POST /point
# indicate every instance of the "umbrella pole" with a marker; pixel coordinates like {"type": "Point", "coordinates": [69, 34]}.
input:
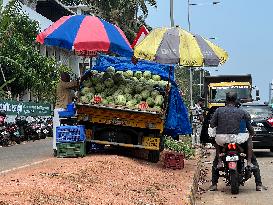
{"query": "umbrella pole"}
{"type": "Point", "coordinates": [200, 82]}
{"type": "Point", "coordinates": [168, 87]}
{"type": "Point", "coordinates": [82, 69]}
{"type": "Point", "coordinates": [191, 87]}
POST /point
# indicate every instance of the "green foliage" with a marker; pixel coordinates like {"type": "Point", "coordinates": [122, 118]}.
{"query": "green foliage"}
{"type": "Point", "coordinates": [183, 79]}
{"type": "Point", "coordinates": [179, 146]}
{"type": "Point", "coordinates": [20, 58]}
{"type": "Point", "coordinates": [4, 94]}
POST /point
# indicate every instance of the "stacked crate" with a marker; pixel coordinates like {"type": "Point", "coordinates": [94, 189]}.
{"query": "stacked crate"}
{"type": "Point", "coordinates": [174, 161]}
{"type": "Point", "coordinates": [71, 141]}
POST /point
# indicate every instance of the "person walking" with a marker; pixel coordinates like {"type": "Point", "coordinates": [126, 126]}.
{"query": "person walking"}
{"type": "Point", "coordinates": [197, 121]}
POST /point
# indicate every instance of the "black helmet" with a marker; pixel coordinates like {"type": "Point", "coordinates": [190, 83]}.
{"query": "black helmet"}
{"type": "Point", "coordinates": [231, 96]}
{"type": "Point", "coordinates": [2, 113]}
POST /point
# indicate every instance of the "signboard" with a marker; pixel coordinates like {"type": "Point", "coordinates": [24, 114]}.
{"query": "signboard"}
{"type": "Point", "coordinates": [142, 33]}
{"type": "Point", "coordinates": [233, 86]}
{"type": "Point", "coordinates": [25, 108]}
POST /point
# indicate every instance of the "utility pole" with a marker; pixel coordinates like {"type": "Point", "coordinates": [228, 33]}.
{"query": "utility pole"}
{"type": "Point", "coordinates": [201, 71]}
{"type": "Point", "coordinates": [271, 94]}
{"type": "Point", "coordinates": [189, 22]}
{"type": "Point", "coordinates": [171, 13]}
{"type": "Point", "coordinates": [191, 69]}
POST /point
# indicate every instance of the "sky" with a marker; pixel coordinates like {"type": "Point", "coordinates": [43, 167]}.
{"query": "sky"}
{"type": "Point", "coordinates": [244, 28]}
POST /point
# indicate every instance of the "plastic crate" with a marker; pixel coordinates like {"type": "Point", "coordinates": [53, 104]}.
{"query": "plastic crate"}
{"type": "Point", "coordinates": [70, 133]}
{"type": "Point", "coordinates": [69, 149]}
{"type": "Point", "coordinates": [174, 161]}
{"type": "Point", "coordinates": [69, 112]}
{"type": "Point", "coordinates": [71, 107]}
{"type": "Point", "coordinates": [65, 114]}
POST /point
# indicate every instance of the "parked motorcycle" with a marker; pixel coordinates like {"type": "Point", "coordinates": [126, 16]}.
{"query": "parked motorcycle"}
{"type": "Point", "coordinates": [235, 171]}
{"type": "Point", "coordinates": [4, 137]}
{"type": "Point", "coordinates": [14, 134]}
{"type": "Point", "coordinates": [49, 127]}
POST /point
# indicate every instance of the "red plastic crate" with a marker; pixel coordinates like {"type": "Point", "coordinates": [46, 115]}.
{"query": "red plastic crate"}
{"type": "Point", "coordinates": [174, 161]}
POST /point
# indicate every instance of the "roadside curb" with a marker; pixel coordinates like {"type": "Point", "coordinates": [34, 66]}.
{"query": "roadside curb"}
{"type": "Point", "coordinates": [24, 166]}
{"type": "Point", "coordinates": [191, 196]}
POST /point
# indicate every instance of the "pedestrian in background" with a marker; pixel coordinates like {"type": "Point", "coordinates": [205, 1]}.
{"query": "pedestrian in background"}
{"type": "Point", "coordinates": [197, 121]}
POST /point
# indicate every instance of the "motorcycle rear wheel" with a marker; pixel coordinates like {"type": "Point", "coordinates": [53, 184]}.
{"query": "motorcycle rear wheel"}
{"type": "Point", "coordinates": [234, 181]}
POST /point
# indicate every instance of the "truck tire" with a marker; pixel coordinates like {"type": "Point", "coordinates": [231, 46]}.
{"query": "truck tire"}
{"type": "Point", "coordinates": [153, 156]}
{"type": "Point", "coordinates": [234, 181]}
{"type": "Point", "coordinates": [161, 144]}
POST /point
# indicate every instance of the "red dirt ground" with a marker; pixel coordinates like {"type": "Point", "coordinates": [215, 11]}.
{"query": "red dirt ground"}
{"type": "Point", "coordinates": [97, 179]}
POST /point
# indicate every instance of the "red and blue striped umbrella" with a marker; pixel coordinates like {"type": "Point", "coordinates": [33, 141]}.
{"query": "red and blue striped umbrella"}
{"type": "Point", "coordinates": [86, 35]}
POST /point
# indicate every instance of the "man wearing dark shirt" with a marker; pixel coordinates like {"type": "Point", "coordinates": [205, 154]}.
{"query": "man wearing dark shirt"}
{"type": "Point", "coordinates": [227, 121]}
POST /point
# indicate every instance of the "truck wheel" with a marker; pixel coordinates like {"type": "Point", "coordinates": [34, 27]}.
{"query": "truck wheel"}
{"type": "Point", "coordinates": [153, 156]}
{"type": "Point", "coordinates": [234, 181]}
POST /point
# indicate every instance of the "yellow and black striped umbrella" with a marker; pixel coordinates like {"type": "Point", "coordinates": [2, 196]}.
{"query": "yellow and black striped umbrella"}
{"type": "Point", "coordinates": [177, 46]}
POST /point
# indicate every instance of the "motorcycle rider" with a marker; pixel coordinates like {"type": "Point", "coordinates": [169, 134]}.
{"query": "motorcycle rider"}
{"type": "Point", "coordinates": [227, 121]}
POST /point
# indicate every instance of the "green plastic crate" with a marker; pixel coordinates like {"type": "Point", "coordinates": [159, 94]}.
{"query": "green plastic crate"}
{"type": "Point", "coordinates": [71, 149]}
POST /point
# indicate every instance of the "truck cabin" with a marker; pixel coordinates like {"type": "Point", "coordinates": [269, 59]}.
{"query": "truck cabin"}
{"type": "Point", "coordinates": [216, 87]}
{"type": "Point", "coordinates": [217, 91]}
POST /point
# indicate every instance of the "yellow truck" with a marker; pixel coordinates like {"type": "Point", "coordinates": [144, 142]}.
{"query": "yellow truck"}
{"type": "Point", "coordinates": [122, 104]}
{"type": "Point", "coordinates": [123, 127]}
{"type": "Point", "coordinates": [215, 89]}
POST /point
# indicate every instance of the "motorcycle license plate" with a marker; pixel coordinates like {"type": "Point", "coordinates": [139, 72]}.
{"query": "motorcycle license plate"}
{"type": "Point", "coordinates": [257, 129]}
{"type": "Point", "coordinates": [232, 158]}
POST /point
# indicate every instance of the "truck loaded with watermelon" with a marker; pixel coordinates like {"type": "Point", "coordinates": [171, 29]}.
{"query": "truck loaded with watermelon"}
{"type": "Point", "coordinates": [125, 105]}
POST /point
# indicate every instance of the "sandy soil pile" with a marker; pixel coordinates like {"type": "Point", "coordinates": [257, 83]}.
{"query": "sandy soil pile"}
{"type": "Point", "coordinates": [97, 179]}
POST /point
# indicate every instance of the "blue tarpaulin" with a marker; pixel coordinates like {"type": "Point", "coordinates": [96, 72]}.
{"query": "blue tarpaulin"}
{"type": "Point", "coordinates": [177, 120]}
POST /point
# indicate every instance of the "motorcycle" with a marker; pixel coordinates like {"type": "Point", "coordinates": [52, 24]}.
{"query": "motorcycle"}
{"type": "Point", "coordinates": [4, 137]}
{"type": "Point", "coordinates": [49, 127]}
{"type": "Point", "coordinates": [33, 131]}
{"type": "Point", "coordinates": [235, 171]}
{"type": "Point", "coordinates": [42, 128]}
{"type": "Point", "coordinates": [14, 134]}
{"type": "Point", "coordinates": [22, 124]}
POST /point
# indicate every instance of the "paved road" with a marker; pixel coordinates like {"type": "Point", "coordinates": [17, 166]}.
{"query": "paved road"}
{"type": "Point", "coordinates": [248, 195]}
{"type": "Point", "coordinates": [24, 154]}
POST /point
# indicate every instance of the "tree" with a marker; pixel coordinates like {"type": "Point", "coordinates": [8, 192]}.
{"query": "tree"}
{"type": "Point", "coordinates": [20, 58]}
{"type": "Point", "coordinates": [182, 75]}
